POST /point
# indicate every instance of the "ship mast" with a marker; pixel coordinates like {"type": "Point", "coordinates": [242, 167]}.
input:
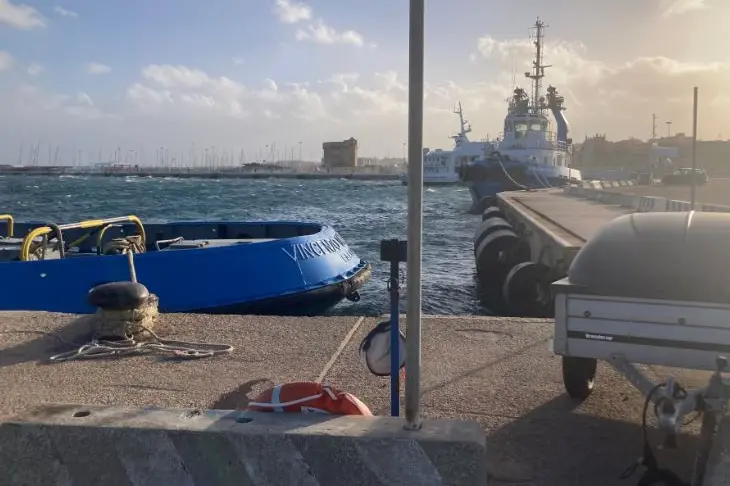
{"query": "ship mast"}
{"type": "Point", "coordinates": [464, 126]}
{"type": "Point", "coordinates": [538, 68]}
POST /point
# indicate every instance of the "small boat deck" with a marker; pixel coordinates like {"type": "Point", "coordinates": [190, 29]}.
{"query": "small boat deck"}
{"type": "Point", "coordinates": [497, 371]}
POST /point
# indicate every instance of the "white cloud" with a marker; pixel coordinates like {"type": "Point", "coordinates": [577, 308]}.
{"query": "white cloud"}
{"type": "Point", "coordinates": [291, 11]}
{"type": "Point", "coordinates": [97, 68]}
{"type": "Point", "coordinates": [34, 69]}
{"type": "Point", "coordinates": [6, 60]}
{"type": "Point", "coordinates": [239, 60]}
{"type": "Point", "coordinates": [31, 104]}
{"type": "Point", "coordinates": [20, 16]}
{"type": "Point", "coordinates": [174, 105]}
{"type": "Point", "coordinates": [322, 33]}
{"type": "Point", "coordinates": [612, 98]}
{"type": "Point", "coordinates": [679, 7]}
{"type": "Point", "coordinates": [65, 12]}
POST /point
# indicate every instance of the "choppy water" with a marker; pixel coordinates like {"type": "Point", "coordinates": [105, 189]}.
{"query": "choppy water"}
{"type": "Point", "coordinates": [362, 212]}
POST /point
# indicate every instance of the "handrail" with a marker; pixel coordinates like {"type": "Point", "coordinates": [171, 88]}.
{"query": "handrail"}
{"type": "Point", "coordinates": [100, 238]}
{"type": "Point", "coordinates": [11, 223]}
{"type": "Point", "coordinates": [92, 223]}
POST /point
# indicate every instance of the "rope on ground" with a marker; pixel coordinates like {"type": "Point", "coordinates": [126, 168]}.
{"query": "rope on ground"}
{"type": "Point", "coordinates": [99, 348]}
{"type": "Point", "coordinates": [130, 332]}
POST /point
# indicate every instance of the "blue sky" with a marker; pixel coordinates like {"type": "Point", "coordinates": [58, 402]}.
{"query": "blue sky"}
{"type": "Point", "coordinates": [243, 73]}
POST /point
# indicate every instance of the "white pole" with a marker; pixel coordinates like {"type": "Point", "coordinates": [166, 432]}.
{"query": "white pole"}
{"type": "Point", "coordinates": [415, 213]}
{"type": "Point", "coordinates": [694, 149]}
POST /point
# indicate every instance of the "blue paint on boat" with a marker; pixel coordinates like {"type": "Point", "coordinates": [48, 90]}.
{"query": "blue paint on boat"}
{"type": "Point", "coordinates": [281, 268]}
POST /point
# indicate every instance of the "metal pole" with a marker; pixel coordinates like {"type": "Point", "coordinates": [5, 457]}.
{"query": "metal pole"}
{"type": "Point", "coordinates": [395, 351]}
{"type": "Point", "coordinates": [694, 149]}
{"type": "Point", "coordinates": [415, 213]}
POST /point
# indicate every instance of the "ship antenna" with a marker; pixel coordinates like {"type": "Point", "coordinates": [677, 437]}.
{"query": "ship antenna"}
{"type": "Point", "coordinates": [538, 68]}
{"type": "Point", "coordinates": [514, 71]}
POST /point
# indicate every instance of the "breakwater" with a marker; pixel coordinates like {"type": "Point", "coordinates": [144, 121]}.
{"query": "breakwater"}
{"type": "Point", "coordinates": [201, 174]}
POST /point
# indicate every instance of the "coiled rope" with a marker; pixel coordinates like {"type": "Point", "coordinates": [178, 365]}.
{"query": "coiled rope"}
{"type": "Point", "coordinates": [100, 348]}
{"type": "Point", "coordinates": [125, 245]}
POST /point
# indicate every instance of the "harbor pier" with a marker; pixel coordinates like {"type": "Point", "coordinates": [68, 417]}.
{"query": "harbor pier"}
{"type": "Point", "coordinates": [528, 239]}
{"type": "Point", "coordinates": [496, 372]}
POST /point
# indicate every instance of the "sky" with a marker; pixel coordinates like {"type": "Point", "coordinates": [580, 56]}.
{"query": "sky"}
{"type": "Point", "coordinates": [86, 76]}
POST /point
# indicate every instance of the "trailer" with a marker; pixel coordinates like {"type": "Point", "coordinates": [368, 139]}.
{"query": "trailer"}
{"type": "Point", "coordinates": [652, 289]}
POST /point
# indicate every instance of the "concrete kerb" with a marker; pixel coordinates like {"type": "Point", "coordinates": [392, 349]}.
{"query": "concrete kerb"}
{"type": "Point", "coordinates": [71, 444]}
{"type": "Point", "coordinates": [642, 204]}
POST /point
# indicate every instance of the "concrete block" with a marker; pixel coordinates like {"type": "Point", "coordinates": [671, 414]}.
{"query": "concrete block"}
{"type": "Point", "coordinates": [114, 446]}
{"type": "Point", "coordinates": [677, 206]}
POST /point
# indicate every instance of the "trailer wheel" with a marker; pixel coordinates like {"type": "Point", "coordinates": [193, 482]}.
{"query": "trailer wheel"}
{"type": "Point", "coordinates": [579, 375]}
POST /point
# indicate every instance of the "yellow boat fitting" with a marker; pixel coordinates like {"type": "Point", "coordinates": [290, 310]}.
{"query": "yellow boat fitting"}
{"type": "Point", "coordinates": [10, 222]}
{"type": "Point", "coordinates": [92, 223]}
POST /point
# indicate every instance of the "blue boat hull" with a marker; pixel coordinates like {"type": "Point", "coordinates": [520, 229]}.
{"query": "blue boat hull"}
{"type": "Point", "coordinates": [279, 268]}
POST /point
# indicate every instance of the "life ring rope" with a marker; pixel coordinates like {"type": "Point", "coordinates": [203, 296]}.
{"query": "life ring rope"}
{"type": "Point", "coordinates": [278, 405]}
{"type": "Point", "coordinates": [317, 398]}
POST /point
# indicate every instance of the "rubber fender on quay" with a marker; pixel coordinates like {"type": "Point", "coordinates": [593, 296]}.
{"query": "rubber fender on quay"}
{"type": "Point", "coordinates": [308, 397]}
{"type": "Point", "coordinates": [488, 290]}
{"type": "Point", "coordinates": [520, 290]}
{"type": "Point", "coordinates": [495, 251]}
{"type": "Point", "coordinates": [492, 212]}
{"type": "Point", "coordinates": [484, 203]}
{"type": "Point", "coordinates": [486, 227]}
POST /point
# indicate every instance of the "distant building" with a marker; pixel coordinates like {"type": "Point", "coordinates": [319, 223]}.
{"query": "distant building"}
{"type": "Point", "coordinates": [340, 154]}
{"type": "Point", "coordinates": [367, 161]}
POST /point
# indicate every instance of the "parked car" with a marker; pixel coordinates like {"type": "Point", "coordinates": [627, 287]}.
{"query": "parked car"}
{"type": "Point", "coordinates": [684, 176]}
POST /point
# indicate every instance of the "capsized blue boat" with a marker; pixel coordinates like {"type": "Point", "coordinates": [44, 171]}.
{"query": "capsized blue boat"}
{"type": "Point", "coordinates": [276, 268]}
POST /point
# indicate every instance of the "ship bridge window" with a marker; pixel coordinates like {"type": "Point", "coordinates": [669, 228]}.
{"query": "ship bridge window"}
{"type": "Point", "coordinates": [520, 130]}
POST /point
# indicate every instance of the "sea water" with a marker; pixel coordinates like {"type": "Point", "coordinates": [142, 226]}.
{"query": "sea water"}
{"type": "Point", "coordinates": [362, 212]}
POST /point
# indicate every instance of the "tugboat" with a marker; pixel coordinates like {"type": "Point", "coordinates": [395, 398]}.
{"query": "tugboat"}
{"type": "Point", "coordinates": [441, 167]}
{"type": "Point", "coordinates": [528, 155]}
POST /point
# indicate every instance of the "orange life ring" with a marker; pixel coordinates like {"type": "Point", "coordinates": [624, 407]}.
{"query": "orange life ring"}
{"type": "Point", "coordinates": [307, 396]}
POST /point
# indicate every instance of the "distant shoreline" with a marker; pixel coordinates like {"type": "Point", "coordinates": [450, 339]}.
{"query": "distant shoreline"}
{"type": "Point", "coordinates": [198, 174]}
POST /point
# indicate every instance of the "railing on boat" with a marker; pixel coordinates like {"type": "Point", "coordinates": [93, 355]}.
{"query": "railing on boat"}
{"type": "Point", "coordinates": [103, 224]}
{"type": "Point", "coordinates": [10, 221]}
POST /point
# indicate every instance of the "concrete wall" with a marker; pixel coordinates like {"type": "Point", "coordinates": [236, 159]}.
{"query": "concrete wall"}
{"type": "Point", "coordinates": [120, 446]}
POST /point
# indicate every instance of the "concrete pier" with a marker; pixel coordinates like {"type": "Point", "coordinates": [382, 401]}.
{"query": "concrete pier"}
{"type": "Point", "coordinates": [555, 225]}
{"type": "Point", "coordinates": [528, 240]}
{"type": "Point", "coordinates": [497, 372]}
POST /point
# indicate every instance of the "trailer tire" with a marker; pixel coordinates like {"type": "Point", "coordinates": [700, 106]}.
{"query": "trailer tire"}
{"type": "Point", "coordinates": [579, 375]}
